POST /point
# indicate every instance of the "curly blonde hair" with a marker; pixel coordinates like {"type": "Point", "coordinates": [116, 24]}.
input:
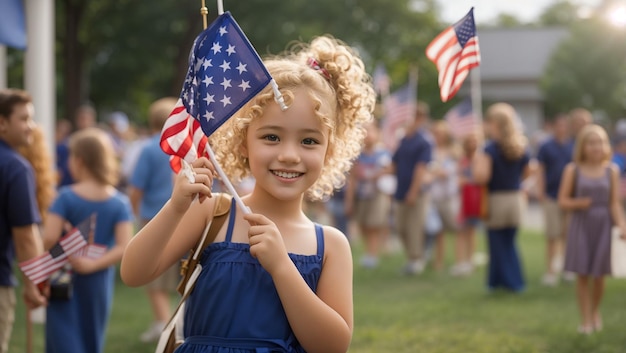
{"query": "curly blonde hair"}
{"type": "Point", "coordinates": [511, 139]}
{"type": "Point", "coordinates": [344, 102]}
{"type": "Point", "coordinates": [38, 155]}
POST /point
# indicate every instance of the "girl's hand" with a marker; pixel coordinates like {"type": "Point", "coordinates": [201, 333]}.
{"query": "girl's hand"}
{"type": "Point", "coordinates": [185, 190]}
{"type": "Point", "coordinates": [82, 265]}
{"type": "Point", "coordinates": [583, 203]}
{"type": "Point", "coordinates": [266, 242]}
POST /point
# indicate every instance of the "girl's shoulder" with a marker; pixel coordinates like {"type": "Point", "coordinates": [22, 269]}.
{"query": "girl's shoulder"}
{"type": "Point", "coordinates": [334, 240]}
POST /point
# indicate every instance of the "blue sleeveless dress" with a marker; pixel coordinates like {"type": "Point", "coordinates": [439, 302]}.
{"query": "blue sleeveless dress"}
{"type": "Point", "coordinates": [235, 308]}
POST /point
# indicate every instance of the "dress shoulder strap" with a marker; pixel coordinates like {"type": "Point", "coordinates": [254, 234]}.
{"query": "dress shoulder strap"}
{"type": "Point", "coordinates": [231, 221]}
{"type": "Point", "coordinates": [319, 233]}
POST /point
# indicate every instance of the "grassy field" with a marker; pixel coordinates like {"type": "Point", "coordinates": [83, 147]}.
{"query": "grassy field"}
{"type": "Point", "coordinates": [432, 313]}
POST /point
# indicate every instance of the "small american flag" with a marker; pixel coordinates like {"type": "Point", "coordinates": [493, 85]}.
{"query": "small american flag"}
{"type": "Point", "coordinates": [399, 109]}
{"type": "Point", "coordinates": [461, 119]}
{"type": "Point", "coordinates": [40, 268]}
{"type": "Point", "coordinates": [92, 251]}
{"type": "Point", "coordinates": [455, 51]}
{"type": "Point", "coordinates": [224, 73]}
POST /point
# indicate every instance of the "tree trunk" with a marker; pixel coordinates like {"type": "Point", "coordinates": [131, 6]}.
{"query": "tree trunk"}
{"type": "Point", "coordinates": [73, 58]}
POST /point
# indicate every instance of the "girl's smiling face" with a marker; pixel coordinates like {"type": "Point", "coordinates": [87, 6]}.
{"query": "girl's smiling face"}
{"type": "Point", "coordinates": [595, 148]}
{"type": "Point", "coordinates": [286, 149]}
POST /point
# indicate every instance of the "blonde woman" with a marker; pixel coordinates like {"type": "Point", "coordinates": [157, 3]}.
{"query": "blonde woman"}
{"type": "Point", "coordinates": [502, 166]}
{"type": "Point", "coordinates": [588, 191]}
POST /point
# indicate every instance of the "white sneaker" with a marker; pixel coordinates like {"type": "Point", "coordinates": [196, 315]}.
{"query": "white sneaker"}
{"type": "Point", "coordinates": [550, 280]}
{"type": "Point", "coordinates": [414, 268]}
{"type": "Point", "coordinates": [153, 333]}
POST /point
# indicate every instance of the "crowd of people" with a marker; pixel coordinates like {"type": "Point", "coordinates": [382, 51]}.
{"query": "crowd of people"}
{"type": "Point", "coordinates": [451, 185]}
{"type": "Point", "coordinates": [432, 185]}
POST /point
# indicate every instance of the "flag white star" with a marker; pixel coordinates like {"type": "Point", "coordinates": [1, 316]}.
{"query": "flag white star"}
{"type": "Point", "coordinates": [202, 42]}
{"type": "Point", "coordinates": [207, 81]}
{"type": "Point", "coordinates": [209, 99]}
{"type": "Point", "coordinates": [185, 95]}
{"type": "Point", "coordinates": [230, 50]}
{"type": "Point", "coordinates": [217, 48]}
{"type": "Point", "coordinates": [225, 83]}
{"type": "Point", "coordinates": [225, 100]}
{"type": "Point", "coordinates": [242, 68]}
{"type": "Point", "coordinates": [197, 65]}
{"type": "Point", "coordinates": [223, 30]}
{"type": "Point", "coordinates": [225, 65]}
{"type": "Point", "coordinates": [207, 63]}
{"type": "Point", "coordinates": [244, 85]}
{"type": "Point", "coordinates": [208, 116]}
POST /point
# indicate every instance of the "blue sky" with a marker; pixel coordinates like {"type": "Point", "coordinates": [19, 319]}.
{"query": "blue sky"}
{"type": "Point", "coordinates": [487, 10]}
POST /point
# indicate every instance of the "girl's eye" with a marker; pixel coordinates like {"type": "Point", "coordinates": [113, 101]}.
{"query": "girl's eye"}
{"type": "Point", "coordinates": [272, 138]}
{"type": "Point", "coordinates": [309, 141]}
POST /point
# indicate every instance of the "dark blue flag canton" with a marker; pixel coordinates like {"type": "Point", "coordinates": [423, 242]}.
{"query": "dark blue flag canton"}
{"type": "Point", "coordinates": [224, 73]}
{"type": "Point", "coordinates": [465, 28]}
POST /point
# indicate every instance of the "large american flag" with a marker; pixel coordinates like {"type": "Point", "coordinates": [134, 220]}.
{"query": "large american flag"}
{"type": "Point", "coordinates": [455, 51]}
{"type": "Point", "coordinates": [399, 108]}
{"type": "Point", "coordinates": [461, 119]}
{"type": "Point", "coordinates": [224, 73]}
{"type": "Point", "coordinates": [40, 268]}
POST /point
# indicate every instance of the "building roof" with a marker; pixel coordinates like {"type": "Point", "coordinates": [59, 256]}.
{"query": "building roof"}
{"type": "Point", "coordinates": [517, 53]}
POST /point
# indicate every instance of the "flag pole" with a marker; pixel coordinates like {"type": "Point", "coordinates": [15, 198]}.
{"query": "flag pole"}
{"type": "Point", "coordinates": [476, 94]}
{"type": "Point", "coordinates": [229, 186]}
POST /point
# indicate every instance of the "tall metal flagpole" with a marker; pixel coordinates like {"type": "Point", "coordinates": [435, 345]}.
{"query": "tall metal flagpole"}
{"type": "Point", "coordinates": [204, 12]}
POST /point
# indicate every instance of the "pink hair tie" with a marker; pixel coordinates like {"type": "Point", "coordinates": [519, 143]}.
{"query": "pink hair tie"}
{"type": "Point", "coordinates": [316, 66]}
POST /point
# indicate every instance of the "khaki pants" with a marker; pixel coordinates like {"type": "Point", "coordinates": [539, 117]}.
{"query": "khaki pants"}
{"type": "Point", "coordinates": [554, 219]}
{"type": "Point", "coordinates": [505, 209]}
{"type": "Point", "coordinates": [410, 222]}
{"type": "Point", "coordinates": [7, 316]}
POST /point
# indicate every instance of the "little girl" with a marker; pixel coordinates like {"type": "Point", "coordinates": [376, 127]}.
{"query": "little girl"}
{"type": "Point", "coordinates": [79, 323]}
{"type": "Point", "coordinates": [590, 191]}
{"type": "Point", "coordinates": [443, 187]}
{"type": "Point", "coordinates": [272, 281]}
{"type": "Point", "coordinates": [470, 210]}
{"type": "Point", "coordinates": [369, 206]}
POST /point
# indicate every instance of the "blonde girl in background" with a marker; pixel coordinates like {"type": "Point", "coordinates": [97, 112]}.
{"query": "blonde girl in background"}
{"type": "Point", "coordinates": [272, 280]}
{"type": "Point", "coordinates": [78, 324]}
{"type": "Point", "coordinates": [364, 201]}
{"type": "Point", "coordinates": [470, 210]}
{"type": "Point", "coordinates": [443, 186]}
{"type": "Point", "coordinates": [590, 191]}
{"type": "Point", "coordinates": [502, 166]}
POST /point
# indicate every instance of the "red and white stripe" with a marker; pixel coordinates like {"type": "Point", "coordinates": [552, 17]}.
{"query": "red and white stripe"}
{"type": "Point", "coordinates": [40, 268]}
{"type": "Point", "coordinates": [182, 137]}
{"type": "Point", "coordinates": [92, 251]}
{"type": "Point", "coordinates": [453, 61]}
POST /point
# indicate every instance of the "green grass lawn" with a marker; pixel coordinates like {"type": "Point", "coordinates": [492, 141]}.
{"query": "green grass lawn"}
{"type": "Point", "coordinates": [431, 313]}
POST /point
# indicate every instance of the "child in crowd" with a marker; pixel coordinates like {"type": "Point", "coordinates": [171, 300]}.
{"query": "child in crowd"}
{"type": "Point", "coordinates": [590, 191]}
{"type": "Point", "coordinates": [472, 195]}
{"type": "Point", "coordinates": [78, 324]}
{"type": "Point", "coordinates": [364, 200]}
{"type": "Point", "coordinates": [443, 187]}
{"type": "Point", "coordinates": [272, 280]}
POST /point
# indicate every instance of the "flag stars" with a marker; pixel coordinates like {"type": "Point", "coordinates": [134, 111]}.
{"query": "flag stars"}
{"type": "Point", "coordinates": [225, 100]}
{"type": "Point", "coordinates": [207, 81]}
{"type": "Point", "coordinates": [209, 99]}
{"type": "Point", "coordinates": [208, 116]}
{"type": "Point", "coordinates": [225, 65]}
{"type": "Point", "coordinates": [217, 48]}
{"type": "Point", "coordinates": [244, 85]}
{"type": "Point", "coordinates": [231, 49]}
{"type": "Point", "coordinates": [207, 63]}
{"type": "Point", "coordinates": [226, 84]}
{"type": "Point", "coordinates": [242, 68]}
{"type": "Point", "coordinates": [223, 30]}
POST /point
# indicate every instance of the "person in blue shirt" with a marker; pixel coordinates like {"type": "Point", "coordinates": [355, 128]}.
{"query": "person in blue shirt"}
{"type": "Point", "coordinates": [409, 163]}
{"type": "Point", "coordinates": [553, 156]}
{"type": "Point", "coordinates": [19, 214]}
{"type": "Point", "coordinates": [150, 187]}
{"type": "Point", "coordinates": [502, 166]}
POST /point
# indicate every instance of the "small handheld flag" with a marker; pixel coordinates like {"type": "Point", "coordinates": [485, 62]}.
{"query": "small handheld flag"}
{"type": "Point", "coordinates": [455, 52]}
{"type": "Point", "coordinates": [461, 119]}
{"type": "Point", "coordinates": [224, 73]}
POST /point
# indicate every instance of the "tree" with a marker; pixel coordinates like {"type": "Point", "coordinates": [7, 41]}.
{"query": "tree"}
{"type": "Point", "coordinates": [588, 69]}
{"type": "Point", "coordinates": [560, 13]}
